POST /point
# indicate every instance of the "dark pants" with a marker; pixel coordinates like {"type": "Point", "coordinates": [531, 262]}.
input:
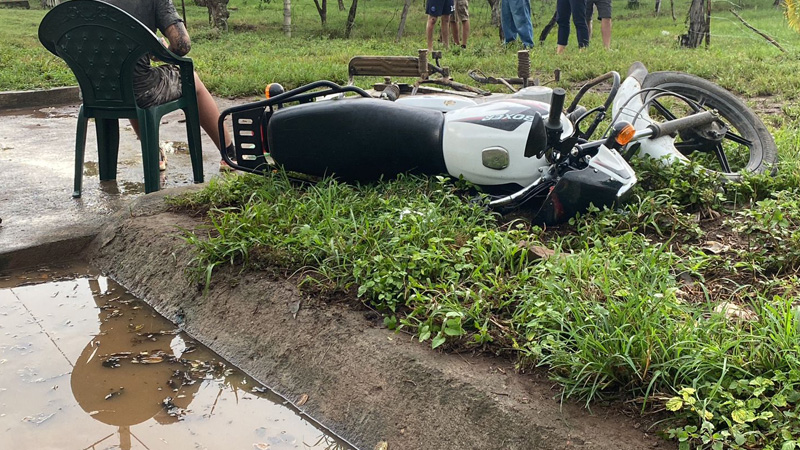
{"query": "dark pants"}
{"type": "Point", "coordinates": [577, 9]}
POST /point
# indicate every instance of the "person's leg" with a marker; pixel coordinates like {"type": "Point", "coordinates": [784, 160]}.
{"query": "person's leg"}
{"type": "Point", "coordinates": [447, 13]}
{"type": "Point", "coordinates": [429, 32]}
{"type": "Point", "coordinates": [563, 12]}
{"type": "Point", "coordinates": [462, 16]}
{"type": "Point", "coordinates": [444, 33]}
{"type": "Point", "coordinates": [521, 11]}
{"type": "Point", "coordinates": [605, 31]}
{"type": "Point", "coordinates": [454, 30]}
{"type": "Point", "coordinates": [589, 15]}
{"type": "Point", "coordinates": [209, 114]}
{"type": "Point", "coordinates": [507, 19]}
{"type": "Point", "coordinates": [579, 20]}
{"type": "Point", "coordinates": [604, 14]}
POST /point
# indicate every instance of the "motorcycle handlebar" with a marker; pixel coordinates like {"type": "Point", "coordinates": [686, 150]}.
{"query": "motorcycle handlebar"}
{"type": "Point", "coordinates": [556, 106]}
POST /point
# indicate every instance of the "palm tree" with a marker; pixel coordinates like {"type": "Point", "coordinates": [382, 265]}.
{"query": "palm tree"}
{"type": "Point", "coordinates": [793, 13]}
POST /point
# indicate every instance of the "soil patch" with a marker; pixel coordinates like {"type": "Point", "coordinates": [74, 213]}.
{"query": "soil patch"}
{"type": "Point", "coordinates": [337, 364]}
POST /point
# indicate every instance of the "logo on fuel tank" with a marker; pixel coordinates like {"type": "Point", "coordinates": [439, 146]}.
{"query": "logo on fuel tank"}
{"type": "Point", "coordinates": [515, 114]}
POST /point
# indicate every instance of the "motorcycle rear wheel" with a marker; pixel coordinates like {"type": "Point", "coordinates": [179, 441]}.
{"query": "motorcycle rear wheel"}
{"type": "Point", "coordinates": [746, 147]}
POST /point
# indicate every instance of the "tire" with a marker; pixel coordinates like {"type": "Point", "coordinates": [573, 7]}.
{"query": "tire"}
{"type": "Point", "coordinates": [758, 155]}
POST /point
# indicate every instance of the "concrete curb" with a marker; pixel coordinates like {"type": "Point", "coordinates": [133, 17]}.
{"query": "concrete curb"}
{"type": "Point", "coordinates": [40, 98]}
{"type": "Point", "coordinates": [57, 251]}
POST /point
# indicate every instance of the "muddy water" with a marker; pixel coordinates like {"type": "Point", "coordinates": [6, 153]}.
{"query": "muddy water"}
{"type": "Point", "coordinates": [85, 365]}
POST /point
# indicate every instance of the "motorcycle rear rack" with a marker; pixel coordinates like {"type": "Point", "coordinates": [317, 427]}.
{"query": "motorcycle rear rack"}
{"type": "Point", "coordinates": [250, 123]}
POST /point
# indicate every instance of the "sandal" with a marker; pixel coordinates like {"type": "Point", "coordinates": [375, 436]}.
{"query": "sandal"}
{"type": "Point", "coordinates": [162, 159]}
{"type": "Point", "coordinates": [224, 167]}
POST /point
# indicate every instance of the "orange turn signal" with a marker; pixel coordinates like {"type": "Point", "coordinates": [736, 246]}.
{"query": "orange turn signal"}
{"type": "Point", "coordinates": [625, 134]}
{"type": "Point", "coordinates": [272, 90]}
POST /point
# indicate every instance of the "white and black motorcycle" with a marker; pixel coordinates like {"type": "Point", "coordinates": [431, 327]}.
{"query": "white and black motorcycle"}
{"type": "Point", "coordinates": [523, 148]}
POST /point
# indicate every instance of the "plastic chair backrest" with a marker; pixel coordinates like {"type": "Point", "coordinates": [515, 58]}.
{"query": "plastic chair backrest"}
{"type": "Point", "coordinates": [101, 44]}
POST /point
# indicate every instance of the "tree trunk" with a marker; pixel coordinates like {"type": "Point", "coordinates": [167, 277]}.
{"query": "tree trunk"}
{"type": "Point", "coordinates": [287, 18]}
{"type": "Point", "coordinates": [218, 14]}
{"type": "Point", "coordinates": [341, 5]}
{"type": "Point", "coordinates": [495, 6]}
{"type": "Point", "coordinates": [658, 7]}
{"type": "Point", "coordinates": [351, 19]}
{"type": "Point", "coordinates": [403, 17]}
{"type": "Point", "coordinates": [672, 9]}
{"type": "Point", "coordinates": [699, 24]}
{"type": "Point", "coordinates": [323, 11]}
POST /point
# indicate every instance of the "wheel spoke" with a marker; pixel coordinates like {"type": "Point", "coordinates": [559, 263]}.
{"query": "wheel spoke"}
{"type": "Point", "coordinates": [701, 102]}
{"type": "Point", "coordinates": [738, 139]}
{"type": "Point", "coordinates": [687, 147]}
{"type": "Point", "coordinates": [722, 158]}
{"type": "Point", "coordinates": [663, 110]}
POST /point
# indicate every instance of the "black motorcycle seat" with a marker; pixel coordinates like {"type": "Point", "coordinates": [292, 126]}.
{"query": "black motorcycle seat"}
{"type": "Point", "coordinates": [357, 139]}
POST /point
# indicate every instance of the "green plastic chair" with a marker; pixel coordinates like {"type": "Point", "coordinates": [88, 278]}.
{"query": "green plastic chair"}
{"type": "Point", "coordinates": [101, 44]}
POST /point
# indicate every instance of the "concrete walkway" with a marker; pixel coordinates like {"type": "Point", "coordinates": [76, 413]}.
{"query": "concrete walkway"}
{"type": "Point", "coordinates": [37, 151]}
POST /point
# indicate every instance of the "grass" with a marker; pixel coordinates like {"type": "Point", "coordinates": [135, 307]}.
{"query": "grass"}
{"type": "Point", "coordinates": [256, 52]}
{"type": "Point", "coordinates": [631, 303]}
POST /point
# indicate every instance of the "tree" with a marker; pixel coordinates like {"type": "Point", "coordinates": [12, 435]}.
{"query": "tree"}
{"type": "Point", "coordinates": [403, 17]}
{"type": "Point", "coordinates": [351, 19]}
{"type": "Point", "coordinates": [495, 6]}
{"type": "Point", "coordinates": [699, 24]}
{"type": "Point", "coordinates": [322, 9]}
{"type": "Point", "coordinates": [217, 13]}
{"type": "Point", "coordinates": [792, 11]}
{"type": "Point", "coordinates": [287, 18]}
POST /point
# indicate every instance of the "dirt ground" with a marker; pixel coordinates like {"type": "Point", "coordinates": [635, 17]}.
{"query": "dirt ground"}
{"type": "Point", "coordinates": [367, 384]}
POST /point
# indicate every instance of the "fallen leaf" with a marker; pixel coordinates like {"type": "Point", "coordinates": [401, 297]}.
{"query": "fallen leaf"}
{"type": "Point", "coordinates": [261, 446]}
{"type": "Point", "coordinates": [151, 360]}
{"type": "Point", "coordinates": [382, 445]}
{"type": "Point", "coordinates": [303, 400]}
{"type": "Point", "coordinates": [732, 311]}
{"type": "Point", "coordinates": [715, 247]}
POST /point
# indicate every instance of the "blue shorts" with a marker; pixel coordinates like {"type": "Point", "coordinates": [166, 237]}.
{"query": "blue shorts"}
{"type": "Point", "coordinates": [436, 8]}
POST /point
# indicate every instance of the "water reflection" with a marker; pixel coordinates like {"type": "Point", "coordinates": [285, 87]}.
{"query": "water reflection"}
{"type": "Point", "coordinates": [83, 364]}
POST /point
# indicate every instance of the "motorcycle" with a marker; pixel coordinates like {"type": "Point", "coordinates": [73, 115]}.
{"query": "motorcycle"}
{"type": "Point", "coordinates": [522, 148]}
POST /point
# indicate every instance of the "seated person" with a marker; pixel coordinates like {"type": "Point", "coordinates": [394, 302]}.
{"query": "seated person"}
{"type": "Point", "coordinates": [154, 85]}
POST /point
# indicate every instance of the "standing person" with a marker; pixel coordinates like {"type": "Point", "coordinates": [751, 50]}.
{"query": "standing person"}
{"type": "Point", "coordinates": [577, 9]}
{"type": "Point", "coordinates": [435, 9]}
{"type": "Point", "coordinates": [155, 85]}
{"type": "Point", "coordinates": [515, 15]}
{"type": "Point", "coordinates": [461, 14]}
{"type": "Point", "coordinates": [604, 14]}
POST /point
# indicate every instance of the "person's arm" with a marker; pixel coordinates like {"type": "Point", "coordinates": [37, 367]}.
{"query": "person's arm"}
{"type": "Point", "coordinates": [178, 37]}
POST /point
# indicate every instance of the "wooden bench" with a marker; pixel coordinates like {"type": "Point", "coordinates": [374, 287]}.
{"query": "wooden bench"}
{"type": "Point", "coordinates": [389, 66]}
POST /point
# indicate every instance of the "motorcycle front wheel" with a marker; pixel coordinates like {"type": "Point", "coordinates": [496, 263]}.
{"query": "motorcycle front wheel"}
{"type": "Point", "coordinates": [746, 146]}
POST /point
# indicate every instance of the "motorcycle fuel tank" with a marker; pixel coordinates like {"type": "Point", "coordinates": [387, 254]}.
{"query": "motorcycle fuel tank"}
{"type": "Point", "coordinates": [485, 143]}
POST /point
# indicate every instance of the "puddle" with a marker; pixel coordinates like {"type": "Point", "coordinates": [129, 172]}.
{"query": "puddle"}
{"type": "Point", "coordinates": [85, 365]}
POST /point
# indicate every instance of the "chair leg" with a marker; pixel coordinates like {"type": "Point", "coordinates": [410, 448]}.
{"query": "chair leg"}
{"type": "Point", "coordinates": [148, 133]}
{"type": "Point", "coordinates": [195, 144]}
{"type": "Point", "coordinates": [80, 150]}
{"type": "Point", "coordinates": [107, 147]}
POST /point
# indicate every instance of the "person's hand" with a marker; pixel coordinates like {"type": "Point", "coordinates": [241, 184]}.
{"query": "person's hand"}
{"type": "Point", "coordinates": [163, 42]}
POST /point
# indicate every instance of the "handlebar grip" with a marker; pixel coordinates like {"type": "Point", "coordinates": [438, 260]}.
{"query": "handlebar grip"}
{"type": "Point", "coordinates": [673, 126]}
{"type": "Point", "coordinates": [556, 106]}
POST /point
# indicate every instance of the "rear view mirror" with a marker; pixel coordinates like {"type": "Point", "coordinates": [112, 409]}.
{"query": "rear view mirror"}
{"type": "Point", "coordinates": [536, 144]}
